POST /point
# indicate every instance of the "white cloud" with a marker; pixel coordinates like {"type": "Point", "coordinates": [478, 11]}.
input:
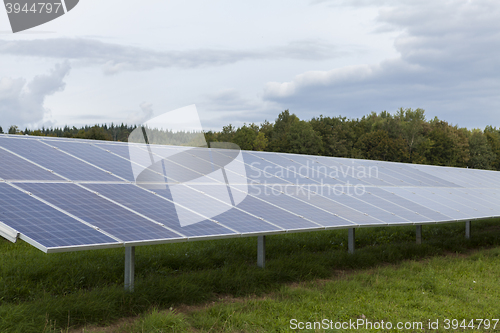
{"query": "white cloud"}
{"type": "Point", "coordinates": [115, 58]}
{"type": "Point", "coordinates": [448, 64]}
{"type": "Point", "coordinates": [22, 102]}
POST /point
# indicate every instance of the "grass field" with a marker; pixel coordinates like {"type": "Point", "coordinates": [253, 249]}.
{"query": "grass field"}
{"type": "Point", "coordinates": [215, 285]}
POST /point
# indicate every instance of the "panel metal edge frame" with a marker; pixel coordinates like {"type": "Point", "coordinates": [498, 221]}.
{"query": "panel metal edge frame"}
{"type": "Point", "coordinates": [33, 243]}
{"type": "Point", "coordinates": [155, 241]}
{"type": "Point", "coordinates": [213, 237]}
{"type": "Point", "coordinates": [336, 227]}
{"type": "Point", "coordinates": [75, 248]}
{"type": "Point", "coordinates": [8, 232]}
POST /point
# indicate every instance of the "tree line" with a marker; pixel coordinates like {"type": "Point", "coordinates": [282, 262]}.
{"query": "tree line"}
{"type": "Point", "coordinates": [97, 132]}
{"type": "Point", "coordinates": [405, 136]}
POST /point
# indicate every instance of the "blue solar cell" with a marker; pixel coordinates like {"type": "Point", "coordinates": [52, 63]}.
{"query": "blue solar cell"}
{"type": "Point", "coordinates": [452, 175]}
{"type": "Point", "coordinates": [274, 195]}
{"type": "Point", "coordinates": [98, 157]}
{"type": "Point", "coordinates": [462, 204]}
{"type": "Point", "coordinates": [115, 148]}
{"type": "Point", "coordinates": [55, 160]}
{"type": "Point", "coordinates": [490, 197]}
{"type": "Point", "coordinates": [394, 174]}
{"type": "Point", "coordinates": [309, 170]}
{"type": "Point", "coordinates": [281, 172]}
{"type": "Point", "coordinates": [44, 224]}
{"type": "Point", "coordinates": [433, 179]}
{"type": "Point", "coordinates": [253, 175]}
{"type": "Point", "coordinates": [369, 172]}
{"type": "Point", "coordinates": [215, 205]}
{"type": "Point", "coordinates": [266, 211]}
{"type": "Point", "coordinates": [100, 212]}
{"type": "Point", "coordinates": [394, 208]}
{"type": "Point", "coordinates": [159, 209]}
{"type": "Point", "coordinates": [16, 168]}
{"type": "Point", "coordinates": [347, 212]}
{"type": "Point", "coordinates": [348, 174]}
{"type": "Point", "coordinates": [393, 195]}
{"type": "Point", "coordinates": [354, 199]}
{"type": "Point", "coordinates": [420, 179]}
{"type": "Point", "coordinates": [488, 177]}
{"type": "Point", "coordinates": [474, 201]}
{"type": "Point", "coordinates": [318, 170]}
{"type": "Point", "coordinates": [244, 223]}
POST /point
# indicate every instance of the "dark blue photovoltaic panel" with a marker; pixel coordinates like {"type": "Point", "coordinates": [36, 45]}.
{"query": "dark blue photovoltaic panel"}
{"type": "Point", "coordinates": [55, 160]}
{"type": "Point", "coordinates": [98, 157]}
{"type": "Point", "coordinates": [420, 199]}
{"type": "Point", "coordinates": [270, 213]}
{"type": "Point", "coordinates": [473, 201]}
{"type": "Point", "coordinates": [456, 176]}
{"type": "Point", "coordinates": [197, 202]}
{"type": "Point", "coordinates": [118, 149]}
{"type": "Point", "coordinates": [444, 197]}
{"type": "Point", "coordinates": [16, 168]}
{"type": "Point", "coordinates": [259, 208]}
{"type": "Point", "coordinates": [254, 175]}
{"type": "Point", "coordinates": [354, 201]}
{"type": "Point", "coordinates": [275, 215]}
{"type": "Point", "coordinates": [375, 177]}
{"type": "Point", "coordinates": [157, 208]}
{"type": "Point", "coordinates": [407, 172]}
{"type": "Point", "coordinates": [345, 173]}
{"type": "Point", "coordinates": [100, 212]}
{"type": "Point", "coordinates": [489, 197]}
{"type": "Point", "coordinates": [346, 212]}
{"type": "Point", "coordinates": [287, 174]}
{"type": "Point", "coordinates": [488, 177]}
{"type": "Point", "coordinates": [299, 207]}
{"type": "Point", "coordinates": [436, 181]}
{"type": "Point", "coordinates": [308, 171]}
{"type": "Point", "coordinates": [44, 224]}
{"type": "Point", "coordinates": [244, 223]}
{"type": "Point", "coordinates": [397, 176]}
{"type": "Point", "coordinates": [220, 211]}
{"type": "Point", "coordinates": [336, 175]}
{"type": "Point", "coordinates": [389, 206]}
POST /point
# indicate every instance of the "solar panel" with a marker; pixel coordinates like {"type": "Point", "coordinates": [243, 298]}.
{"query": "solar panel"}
{"type": "Point", "coordinates": [275, 196]}
{"type": "Point", "coordinates": [421, 197]}
{"type": "Point", "coordinates": [44, 226]}
{"type": "Point", "coordinates": [101, 213]}
{"type": "Point", "coordinates": [13, 167]}
{"type": "Point", "coordinates": [53, 159]}
{"type": "Point", "coordinates": [63, 194]}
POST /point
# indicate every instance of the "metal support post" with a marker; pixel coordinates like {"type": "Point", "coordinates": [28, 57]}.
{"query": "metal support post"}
{"type": "Point", "coordinates": [419, 234]}
{"type": "Point", "coordinates": [351, 239]}
{"type": "Point", "coordinates": [261, 251]}
{"type": "Point", "coordinates": [129, 268]}
{"type": "Point", "coordinates": [467, 230]}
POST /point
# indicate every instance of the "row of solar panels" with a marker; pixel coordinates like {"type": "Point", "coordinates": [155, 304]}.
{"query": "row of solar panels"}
{"type": "Point", "coordinates": [86, 161]}
{"type": "Point", "coordinates": [63, 195]}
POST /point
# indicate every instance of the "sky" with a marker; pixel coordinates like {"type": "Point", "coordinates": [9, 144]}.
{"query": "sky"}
{"type": "Point", "coordinates": [246, 61]}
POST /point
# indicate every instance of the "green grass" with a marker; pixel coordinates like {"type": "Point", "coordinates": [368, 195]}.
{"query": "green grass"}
{"type": "Point", "coordinates": [57, 292]}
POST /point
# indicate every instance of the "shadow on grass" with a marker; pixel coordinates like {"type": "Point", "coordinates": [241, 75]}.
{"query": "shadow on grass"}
{"type": "Point", "coordinates": [43, 293]}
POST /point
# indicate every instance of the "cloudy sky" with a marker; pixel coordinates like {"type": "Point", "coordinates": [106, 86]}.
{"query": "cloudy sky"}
{"type": "Point", "coordinates": [246, 61]}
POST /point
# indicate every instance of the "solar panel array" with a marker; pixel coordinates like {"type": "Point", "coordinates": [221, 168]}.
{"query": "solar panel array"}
{"type": "Point", "coordinates": [66, 195]}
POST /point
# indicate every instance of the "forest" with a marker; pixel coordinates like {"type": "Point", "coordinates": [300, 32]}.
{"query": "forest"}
{"type": "Point", "coordinates": [405, 136]}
